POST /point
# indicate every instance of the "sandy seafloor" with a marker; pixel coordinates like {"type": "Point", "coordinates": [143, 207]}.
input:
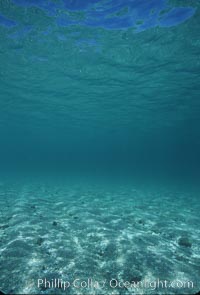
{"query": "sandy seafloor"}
{"type": "Point", "coordinates": [127, 234]}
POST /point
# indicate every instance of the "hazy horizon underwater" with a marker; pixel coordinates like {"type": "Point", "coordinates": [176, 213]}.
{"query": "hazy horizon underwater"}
{"type": "Point", "coordinates": [99, 147]}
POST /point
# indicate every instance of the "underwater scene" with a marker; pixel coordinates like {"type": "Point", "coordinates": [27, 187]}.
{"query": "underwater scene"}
{"type": "Point", "coordinates": [99, 147]}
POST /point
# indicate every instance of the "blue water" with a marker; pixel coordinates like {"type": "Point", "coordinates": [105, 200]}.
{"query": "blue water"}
{"type": "Point", "coordinates": [99, 143]}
